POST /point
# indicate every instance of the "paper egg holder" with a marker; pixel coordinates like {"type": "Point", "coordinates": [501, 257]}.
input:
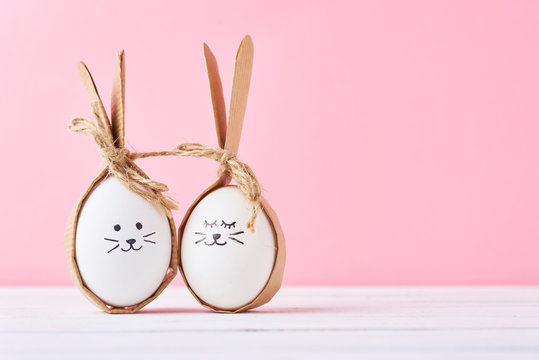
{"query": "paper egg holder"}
{"type": "Point", "coordinates": [228, 137]}
{"type": "Point", "coordinates": [116, 126]}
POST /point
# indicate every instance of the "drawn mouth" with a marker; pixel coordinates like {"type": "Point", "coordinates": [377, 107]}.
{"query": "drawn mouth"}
{"type": "Point", "coordinates": [129, 242]}
{"type": "Point", "coordinates": [131, 247]}
{"type": "Point", "coordinates": [216, 237]}
{"type": "Point", "coordinates": [215, 243]}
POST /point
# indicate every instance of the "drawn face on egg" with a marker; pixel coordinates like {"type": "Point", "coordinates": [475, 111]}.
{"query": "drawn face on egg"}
{"type": "Point", "coordinates": [219, 235]}
{"type": "Point", "coordinates": [123, 244]}
{"type": "Point", "coordinates": [132, 243]}
{"type": "Point", "coordinates": [224, 263]}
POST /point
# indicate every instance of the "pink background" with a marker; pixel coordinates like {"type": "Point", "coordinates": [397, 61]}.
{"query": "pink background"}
{"type": "Point", "coordinates": [398, 141]}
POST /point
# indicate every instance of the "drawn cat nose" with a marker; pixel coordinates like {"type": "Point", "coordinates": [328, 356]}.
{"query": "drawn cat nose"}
{"type": "Point", "coordinates": [216, 236]}
{"type": "Point", "coordinates": [130, 241]}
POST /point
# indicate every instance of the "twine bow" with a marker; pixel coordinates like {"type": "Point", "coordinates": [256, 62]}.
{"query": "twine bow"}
{"type": "Point", "coordinates": [120, 163]}
{"type": "Point", "coordinates": [230, 165]}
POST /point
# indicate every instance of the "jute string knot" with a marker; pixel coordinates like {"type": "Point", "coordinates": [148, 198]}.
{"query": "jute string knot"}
{"type": "Point", "coordinates": [230, 166]}
{"type": "Point", "coordinates": [114, 154]}
{"type": "Point", "coordinates": [119, 161]}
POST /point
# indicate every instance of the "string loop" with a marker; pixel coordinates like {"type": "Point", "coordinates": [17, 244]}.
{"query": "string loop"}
{"type": "Point", "coordinates": [119, 162]}
{"type": "Point", "coordinates": [229, 165]}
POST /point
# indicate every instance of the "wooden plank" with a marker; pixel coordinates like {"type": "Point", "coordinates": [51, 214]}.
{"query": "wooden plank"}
{"type": "Point", "coordinates": [381, 322]}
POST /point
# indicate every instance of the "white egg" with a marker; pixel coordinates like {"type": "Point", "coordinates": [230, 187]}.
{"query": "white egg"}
{"type": "Point", "coordinates": [224, 263]}
{"type": "Point", "coordinates": [123, 244]}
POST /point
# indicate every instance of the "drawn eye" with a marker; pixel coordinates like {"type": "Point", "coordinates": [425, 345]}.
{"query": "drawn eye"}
{"type": "Point", "coordinates": [138, 225]}
{"type": "Point", "coordinates": [228, 226]}
{"type": "Point", "coordinates": [117, 227]}
{"type": "Point", "coordinates": [211, 225]}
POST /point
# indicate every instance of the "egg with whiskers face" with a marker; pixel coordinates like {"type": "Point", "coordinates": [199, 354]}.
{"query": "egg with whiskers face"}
{"type": "Point", "coordinates": [123, 244]}
{"type": "Point", "coordinates": [225, 264]}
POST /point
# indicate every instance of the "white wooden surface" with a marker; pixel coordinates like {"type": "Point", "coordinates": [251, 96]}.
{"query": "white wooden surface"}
{"type": "Point", "coordinates": [300, 323]}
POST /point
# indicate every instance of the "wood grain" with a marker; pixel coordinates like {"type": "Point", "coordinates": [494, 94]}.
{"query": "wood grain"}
{"type": "Point", "coordinates": [300, 323]}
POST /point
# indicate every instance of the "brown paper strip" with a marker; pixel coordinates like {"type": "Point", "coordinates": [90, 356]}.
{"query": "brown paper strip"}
{"type": "Point", "coordinates": [218, 99]}
{"type": "Point", "coordinates": [117, 113]}
{"type": "Point", "coordinates": [240, 90]}
{"type": "Point", "coordinates": [93, 96]}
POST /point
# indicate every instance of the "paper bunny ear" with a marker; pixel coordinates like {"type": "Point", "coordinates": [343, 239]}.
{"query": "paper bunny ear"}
{"type": "Point", "coordinates": [217, 97]}
{"type": "Point", "coordinates": [95, 101]}
{"type": "Point", "coordinates": [240, 91]}
{"type": "Point", "coordinates": [118, 102]}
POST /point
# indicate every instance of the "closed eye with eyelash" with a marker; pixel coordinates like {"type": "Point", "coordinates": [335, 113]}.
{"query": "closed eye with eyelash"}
{"type": "Point", "coordinates": [211, 225]}
{"type": "Point", "coordinates": [228, 226]}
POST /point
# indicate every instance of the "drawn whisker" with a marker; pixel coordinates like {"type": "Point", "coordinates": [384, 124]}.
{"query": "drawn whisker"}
{"type": "Point", "coordinates": [148, 234]}
{"type": "Point", "coordinates": [153, 242]}
{"type": "Point", "coordinates": [237, 233]}
{"type": "Point", "coordinates": [204, 238]}
{"type": "Point", "coordinates": [113, 248]}
{"type": "Point", "coordinates": [199, 233]}
{"type": "Point", "coordinates": [231, 238]}
{"type": "Point", "coordinates": [110, 239]}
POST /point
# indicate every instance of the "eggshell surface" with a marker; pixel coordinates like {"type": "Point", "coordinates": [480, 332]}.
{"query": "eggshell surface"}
{"type": "Point", "coordinates": [123, 244]}
{"type": "Point", "coordinates": [224, 263]}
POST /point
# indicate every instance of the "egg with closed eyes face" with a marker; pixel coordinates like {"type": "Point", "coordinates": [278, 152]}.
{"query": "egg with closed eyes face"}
{"type": "Point", "coordinates": [123, 244]}
{"type": "Point", "coordinates": [225, 264]}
